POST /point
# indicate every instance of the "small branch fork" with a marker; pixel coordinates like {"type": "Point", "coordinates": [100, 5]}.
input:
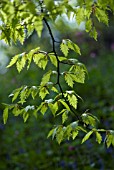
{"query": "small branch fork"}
{"type": "Point", "coordinates": [58, 65]}
{"type": "Point", "coordinates": [54, 51]}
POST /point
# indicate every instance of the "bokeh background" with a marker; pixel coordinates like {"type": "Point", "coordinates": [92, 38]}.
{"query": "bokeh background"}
{"type": "Point", "coordinates": [24, 146]}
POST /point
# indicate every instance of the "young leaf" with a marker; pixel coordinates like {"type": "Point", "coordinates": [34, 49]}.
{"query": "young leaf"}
{"type": "Point", "coordinates": [38, 26]}
{"type": "Point", "coordinates": [44, 108]}
{"type": "Point", "coordinates": [68, 79]}
{"type": "Point", "coordinates": [50, 133]}
{"type": "Point", "coordinates": [101, 15]}
{"type": "Point", "coordinates": [46, 78]}
{"type": "Point", "coordinates": [109, 139]}
{"type": "Point", "coordinates": [13, 61]}
{"type": "Point", "coordinates": [34, 91]}
{"type": "Point", "coordinates": [80, 15]}
{"type": "Point", "coordinates": [72, 100]}
{"type": "Point", "coordinates": [43, 92]}
{"type": "Point", "coordinates": [64, 116]}
{"type": "Point", "coordinates": [24, 94]}
{"type": "Point", "coordinates": [73, 46]}
{"type": "Point", "coordinates": [74, 134]}
{"type": "Point", "coordinates": [53, 59]}
{"type": "Point", "coordinates": [68, 131]}
{"type": "Point", "coordinates": [77, 73]}
{"type": "Point", "coordinates": [25, 116]}
{"type": "Point", "coordinates": [21, 61]}
{"type": "Point", "coordinates": [86, 137]}
{"type": "Point", "coordinates": [64, 104]}
{"type": "Point", "coordinates": [59, 135]}
{"type": "Point", "coordinates": [15, 94]}
{"type": "Point", "coordinates": [88, 25]}
{"type": "Point", "coordinates": [40, 59]}
{"type": "Point", "coordinates": [93, 33]}
{"type": "Point", "coordinates": [54, 89]}
{"type": "Point", "coordinates": [53, 107]}
{"type": "Point", "coordinates": [98, 137]}
{"type": "Point", "coordinates": [5, 115]}
{"type": "Point", "coordinates": [64, 47]}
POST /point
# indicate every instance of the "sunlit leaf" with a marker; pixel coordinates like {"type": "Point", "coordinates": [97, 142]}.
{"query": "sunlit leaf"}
{"type": "Point", "coordinates": [87, 136]}
{"type": "Point", "coordinates": [5, 115]}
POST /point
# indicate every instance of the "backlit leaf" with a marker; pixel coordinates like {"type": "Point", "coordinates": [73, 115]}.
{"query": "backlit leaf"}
{"type": "Point", "coordinates": [5, 115]}
{"type": "Point", "coordinates": [72, 100]}
{"type": "Point", "coordinates": [64, 47]}
{"type": "Point", "coordinates": [13, 61]}
{"type": "Point", "coordinates": [98, 137]}
{"type": "Point", "coordinates": [86, 137]}
{"type": "Point", "coordinates": [64, 116]}
{"type": "Point", "coordinates": [68, 79]}
{"type": "Point", "coordinates": [46, 77]}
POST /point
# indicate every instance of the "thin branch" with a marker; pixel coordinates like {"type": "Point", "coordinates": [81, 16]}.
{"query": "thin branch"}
{"type": "Point", "coordinates": [58, 66]}
{"type": "Point", "coordinates": [54, 51]}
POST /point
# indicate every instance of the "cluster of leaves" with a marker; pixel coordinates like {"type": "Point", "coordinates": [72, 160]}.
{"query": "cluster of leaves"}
{"type": "Point", "coordinates": [19, 20]}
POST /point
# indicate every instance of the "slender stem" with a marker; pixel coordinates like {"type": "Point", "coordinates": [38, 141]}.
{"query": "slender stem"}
{"type": "Point", "coordinates": [54, 50]}
{"type": "Point", "coordinates": [58, 66]}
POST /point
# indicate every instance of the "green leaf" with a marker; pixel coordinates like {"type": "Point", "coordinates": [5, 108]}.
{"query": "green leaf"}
{"type": "Point", "coordinates": [68, 131]}
{"type": "Point", "coordinates": [53, 59]}
{"type": "Point", "coordinates": [5, 115]}
{"type": "Point", "coordinates": [73, 46]}
{"type": "Point", "coordinates": [54, 89]}
{"type": "Point", "coordinates": [53, 107]}
{"type": "Point", "coordinates": [101, 15]}
{"type": "Point", "coordinates": [61, 58]}
{"type": "Point", "coordinates": [59, 135]}
{"type": "Point", "coordinates": [109, 139]}
{"type": "Point", "coordinates": [64, 104]}
{"type": "Point", "coordinates": [16, 111]}
{"type": "Point", "coordinates": [21, 62]}
{"type": "Point", "coordinates": [13, 61]}
{"type": "Point", "coordinates": [49, 4]}
{"type": "Point", "coordinates": [74, 134]}
{"type": "Point", "coordinates": [15, 94]}
{"type": "Point", "coordinates": [92, 120]}
{"type": "Point", "coordinates": [86, 137]}
{"type": "Point", "coordinates": [25, 116]}
{"type": "Point", "coordinates": [93, 33]}
{"type": "Point", "coordinates": [77, 73]}
{"type": "Point", "coordinates": [38, 26]}
{"type": "Point", "coordinates": [72, 100]}
{"type": "Point", "coordinates": [34, 91]}
{"type": "Point", "coordinates": [64, 116]}
{"type": "Point", "coordinates": [88, 119]}
{"type": "Point", "coordinates": [88, 25]}
{"type": "Point", "coordinates": [80, 15]}
{"type": "Point", "coordinates": [43, 63]}
{"type": "Point", "coordinates": [98, 137]}
{"type": "Point", "coordinates": [44, 108]}
{"type": "Point", "coordinates": [46, 78]}
{"type": "Point", "coordinates": [64, 48]}
{"type": "Point", "coordinates": [43, 92]}
{"type": "Point", "coordinates": [40, 59]}
{"type": "Point", "coordinates": [37, 56]}
{"type": "Point", "coordinates": [24, 94]}
{"type": "Point", "coordinates": [51, 132]}
{"type": "Point", "coordinates": [68, 79]}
